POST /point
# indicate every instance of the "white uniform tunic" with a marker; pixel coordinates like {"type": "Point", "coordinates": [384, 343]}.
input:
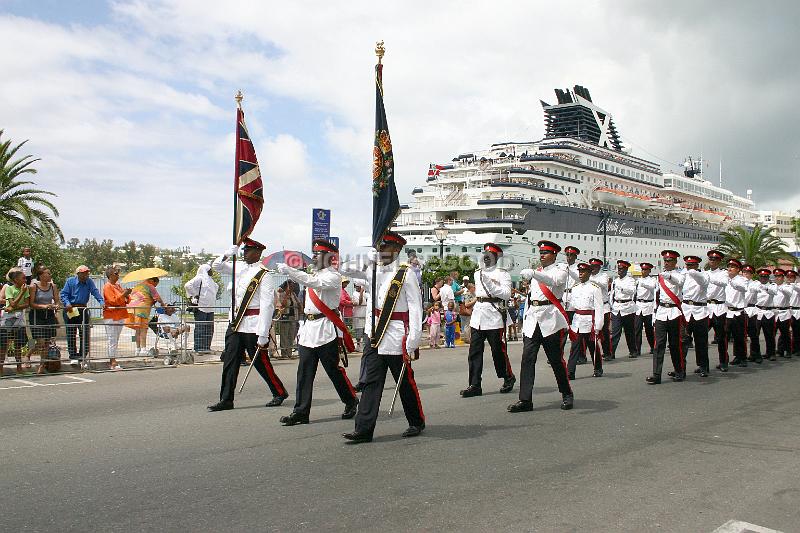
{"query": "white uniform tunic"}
{"type": "Point", "coordinates": [782, 296]}
{"type": "Point", "coordinates": [750, 297]}
{"type": "Point", "coordinates": [587, 297]}
{"type": "Point", "coordinates": [623, 289]}
{"type": "Point", "coordinates": [263, 298]}
{"type": "Point", "coordinates": [735, 295]}
{"type": "Point", "coordinates": [572, 280]}
{"type": "Point", "coordinates": [765, 299]}
{"type": "Point", "coordinates": [645, 295]}
{"type": "Point", "coordinates": [601, 280]}
{"type": "Point", "coordinates": [497, 285]}
{"type": "Point", "coordinates": [327, 283]}
{"type": "Point", "coordinates": [694, 290]}
{"type": "Point", "coordinates": [548, 317]}
{"type": "Point", "coordinates": [674, 281]}
{"type": "Point", "coordinates": [794, 301]}
{"type": "Point", "coordinates": [718, 279]}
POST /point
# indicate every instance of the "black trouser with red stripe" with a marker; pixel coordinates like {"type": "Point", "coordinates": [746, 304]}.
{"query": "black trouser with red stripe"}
{"type": "Point", "coordinates": [737, 331]}
{"type": "Point", "coordinates": [752, 333]}
{"type": "Point", "coordinates": [236, 344]}
{"type": "Point", "coordinates": [785, 339]}
{"type": "Point", "coordinates": [644, 322]}
{"type": "Point", "coordinates": [584, 342]}
{"type": "Point", "coordinates": [475, 358]}
{"type": "Point", "coordinates": [553, 350]}
{"type": "Point", "coordinates": [767, 325]}
{"type": "Point", "coordinates": [628, 324]}
{"type": "Point", "coordinates": [669, 332]}
{"type": "Point", "coordinates": [328, 355]}
{"type": "Point", "coordinates": [605, 336]}
{"type": "Point", "coordinates": [697, 330]}
{"type": "Point", "coordinates": [796, 335]}
{"type": "Point", "coordinates": [718, 323]}
{"type": "Point", "coordinates": [377, 365]}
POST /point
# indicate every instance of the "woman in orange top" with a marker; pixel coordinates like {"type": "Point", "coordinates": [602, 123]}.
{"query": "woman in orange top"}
{"type": "Point", "coordinates": [115, 312]}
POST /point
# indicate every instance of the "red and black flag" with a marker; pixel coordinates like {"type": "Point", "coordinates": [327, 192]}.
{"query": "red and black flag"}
{"type": "Point", "coordinates": [385, 204]}
{"type": "Point", "coordinates": [248, 189]}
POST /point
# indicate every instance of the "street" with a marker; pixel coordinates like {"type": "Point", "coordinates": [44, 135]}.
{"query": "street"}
{"type": "Point", "coordinates": [136, 450]}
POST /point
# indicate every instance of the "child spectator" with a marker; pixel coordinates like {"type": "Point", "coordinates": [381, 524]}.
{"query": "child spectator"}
{"type": "Point", "coordinates": [435, 324]}
{"type": "Point", "coordinates": [25, 263]}
{"type": "Point", "coordinates": [450, 317]}
{"type": "Point", "coordinates": [12, 327]}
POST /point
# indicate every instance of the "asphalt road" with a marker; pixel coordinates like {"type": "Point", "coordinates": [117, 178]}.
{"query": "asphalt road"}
{"type": "Point", "coordinates": [137, 451]}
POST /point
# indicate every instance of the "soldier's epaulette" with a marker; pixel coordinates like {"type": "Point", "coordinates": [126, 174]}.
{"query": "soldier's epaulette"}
{"type": "Point", "coordinates": [595, 284]}
{"type": "Point", "coordinates": [404, 265]}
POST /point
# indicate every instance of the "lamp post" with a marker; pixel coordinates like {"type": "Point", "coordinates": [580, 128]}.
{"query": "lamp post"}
{"type": "Point", "coordinates": [604, 216]}
{"type": "Point", "coordinates": [441, 233]}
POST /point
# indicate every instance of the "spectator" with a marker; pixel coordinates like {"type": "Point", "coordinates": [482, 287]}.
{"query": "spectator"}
{"type": "Point", "coordinates": [434, 324]}
{"type": "Point", "coordinates": [446, 293]}
{"type": "Point", "coordinates": [170, 322]}
{"type": "Point", "coordinates": [114, 313]}
{"type": "Point", "coordinates": [436, 294]}
{"type": "Point", "coordinates": [464, 313]}
{"type": "Point", "coordinates": [25, 263]}
{"type": "Point", "coordinates": [142, 298]}
{"type": "Point", "coordinates": [359, 312]}
{"type": "Point", "coordinates": [75, 298]}
{"type": "Point", "coordinates": [12, 326]}
{"type": "Point", "coordinates": [288, 311]}
{"type": "Point", "coordinates": [202, 292]}
{"type": "Point", "coordinates": [345, 303]}
{"type": "Point", "coordinates": [415, 265]}
{"type": "Point", "coordinates": [513, 311]}
{"type": "Point", "coordinates": [450, 318]}
{"type": "Point", "coordinates": [42, 316]}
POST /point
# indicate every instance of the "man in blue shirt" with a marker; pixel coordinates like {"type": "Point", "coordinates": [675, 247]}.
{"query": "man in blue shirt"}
{"type": "Point", "coordinates": [75, 297]}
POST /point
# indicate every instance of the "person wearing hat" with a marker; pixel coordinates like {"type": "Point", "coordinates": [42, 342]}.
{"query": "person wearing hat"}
{"type": "Point", "coordinates": [251, 319]}
{"type": "Point", "coordinates": [571, 253]}
{"type": "Point", "coordinates": [545, 322]}
{"type": "Point", "coordinates": [751, 311]}
{"type": "Point", "coordinates": [695, 311]}
{"type": "Point", "coordinates": [668, 320]}
{"type": "Point", "coordinates": [794, 304]}
{"type": "Point", "coordinates": [75, 297]}
{"type": "Point", "coordinates": [603, 283]}
{"type": "Point", "coordinates": [783, 313]}
{"type": "Point", "coordinates": [718, 279]}
{"type": "Point", "coordinates": [488, 323]}
{"type": "Point", "coordinates": [395, 341]}
{"type": "Point", "coordinates": [318, 335]}
{"type": "Point", "coordinates": [645, 306]}
{"type": "Point", "coordinates": [623, 309]}
{"type": "Point", "coordinates": [735, 298]}
{"type": "Point", "coordinates": [587, 301]}
{"type": "Point", "coordinates": [766, 312]}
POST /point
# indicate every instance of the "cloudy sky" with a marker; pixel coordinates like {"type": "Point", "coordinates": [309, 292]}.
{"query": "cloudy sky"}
{"type": "Point", "coordinates": [130, 104]}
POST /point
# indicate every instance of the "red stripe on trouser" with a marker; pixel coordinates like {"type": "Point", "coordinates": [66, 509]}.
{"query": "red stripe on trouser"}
{"type": "Point", "coordinates": [273, 377]}
{"type": "Point", "coordinates": [680, 347]}
{"type": "Point", "coordinates": [563, 363]}
{"type": "Point", "coordinates": [347, 380]}
{"type": "Point", "coordinates": [503, 345]}
{"type": "Point", "coordinates": [410, 377]}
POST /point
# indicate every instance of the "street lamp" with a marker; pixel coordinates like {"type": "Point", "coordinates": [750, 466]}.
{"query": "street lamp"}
{"type": "Point", "coordinates": [441, 232]}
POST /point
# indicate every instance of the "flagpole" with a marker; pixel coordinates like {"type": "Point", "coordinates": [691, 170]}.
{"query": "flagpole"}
{"type": "Point", "coordinates": [379, 51]}
{"type": "Point", "coordinates": [239, 97]}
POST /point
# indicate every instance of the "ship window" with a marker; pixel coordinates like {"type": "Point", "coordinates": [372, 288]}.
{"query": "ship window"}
{"type": "Point", "coordinates": [477, 249]}
{"type": "Point", "coordinates": [447, 249]}
{"type": "Point", "coordinates": [419, 250]}
{"type": "Point", "coordinates": [434, 250]}
{"type": "Point", "coordinates": [463, 248]}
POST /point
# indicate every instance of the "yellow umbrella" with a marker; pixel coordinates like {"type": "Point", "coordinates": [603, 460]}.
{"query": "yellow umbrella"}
{"type": "Point", "coordinates": [143, 274]}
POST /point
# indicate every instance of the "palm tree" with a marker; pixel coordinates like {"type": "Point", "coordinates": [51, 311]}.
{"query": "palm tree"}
{"type": "Point", "coordinates": [20, 202]}
{"type": "Point", "coordinates": [758, 247]}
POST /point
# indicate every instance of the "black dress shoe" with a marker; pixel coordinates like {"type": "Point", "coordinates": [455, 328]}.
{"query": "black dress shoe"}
{"type": "Point", "coordinates": [736, 361]}
{"type": "Point", "coordinates": [678, 376]}
{"type": "Point", "coordinates": [723, 368]}
{"type": "Point", "coordinates": [671, 374]}
{"type": "Point", "coordinates": [508, 385]}
{"type": "Point", "coordinates": [698, 370]}
{"type": "Point", "coordinates": [294, 419]}
{"type": "Point", "coordinates": [359, 387]}
{"type": "Point", "coordinates": [653, 380]}
{"type": "Point", "coordinates": [635, 355]}
{"type": "Point", "coordinates": [772, 358]}
{"type": "Point", "coordinates": [582, 361]}
{"type": "Point", "coordinates": [703, 373]}
{"type": "Point", "coordinates": [472, 390]}
{"type": "Point", "coordinates": [350, 410]}
{"type": "Point", "coordinates": [413, 431]}
{"type": "Point", "coordinates": [566, 402]}
{"type": "Point", "coordinates": [572, 376]}
{"type": "Point", "coordinates": [356, 438]}
{"type": "Point", "coordinates": [758, 360]}
{"type": "Point", "coordinates": [276, 401]}
{"type": "Point", "coordinates": [520, 406]}
{"type": "Point", "coordinates": [224, 405]}
{"type": "Point", "coordinates": [598, 373]}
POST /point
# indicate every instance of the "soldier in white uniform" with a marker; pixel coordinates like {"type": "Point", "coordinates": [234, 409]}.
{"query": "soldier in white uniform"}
{"type": "Point", "coordinates": [668, 320]}
{"type": "Point", "coordinates": [766, 313]}
{"type": "Point", "coordinates": [571, 253]}
{"type": "Point", "coordinates": [750, 309]}
{"type": "Point", "coordinates": [783, 313]}
{"type": "Point", "coordinates": [623, 309]}
{"type": "Point", "coordinates": [318, 336]}
{"type": "Point", "coordinates": [545, 323]}
{"type": "Point", "coordinates": [718, 279]}
{"type": "Point", "coordinates": [735, 297]}
{"type": "Point", "coordinates": [794, 304]}
{"type": "Point", "coordinates": [603, 283]}
{"type": "Point", "coordinates": [645, 306]}
{"type": "Point", "coordinates": [587, 303]}
{"type": "Point", "coordinates": [488, 323]}
{"type": "Point", "coordinates": [398, 331]}
{"type": "Point", "coordinates": [695, 311]}
{"type": "Point", "coordinates": [253, 308]}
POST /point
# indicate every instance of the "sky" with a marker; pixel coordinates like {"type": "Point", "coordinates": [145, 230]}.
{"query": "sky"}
{"type": "Point", "coordinates": [130, 103]}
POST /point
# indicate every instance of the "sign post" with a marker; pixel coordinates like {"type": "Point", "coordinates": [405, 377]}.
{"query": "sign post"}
{"type": "Point", "coordinates": [320, 224]}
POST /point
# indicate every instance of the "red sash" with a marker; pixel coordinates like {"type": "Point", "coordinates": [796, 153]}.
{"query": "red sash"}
{"type": "Point", "coordinates": [333, 317]}
{"type": "Point", "coordinates": [671, 295]}
{"type": "Point", "coordinates": [553, 300]}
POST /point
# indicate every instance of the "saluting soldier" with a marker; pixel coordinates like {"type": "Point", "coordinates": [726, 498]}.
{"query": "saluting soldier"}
{"type": "Point", "coordinates": [751, 311]}
{"type": "Point", "coordinates": [571, 253]}
{"type": "Point", "coordinates": [783, 313]}
{"type": "Point", "coordinates": [645, 306]}
{"type": "Point", "coordinates": [398, 330]}
{"type": "Point", "coordinates": [766, 312]}
{"type": "Point", "coordinates": [603, 283]}
{"type": "Point", "coordinates": [587, 301]}
{"type": "Point", "coordinates": [544, 325]}
{"type": "Point", "coordinates": [735, 297]}
{"type": "Point", "coordinates": [248, 330]}
{"type": "Point", "coordinates": [718, 279]}
{"type": "Point", "coordinates": [488, 322]}
{"type": "Point", "coordinates": [319, 333]}
{"type": "Point", "coordinates": [695, 311]}
{"type": "Point", "coordinates": [794, 304]}
{"type": "Point", "coordinates": [623, 309]}
{"type": "Point", "coordinates": [668, 320]}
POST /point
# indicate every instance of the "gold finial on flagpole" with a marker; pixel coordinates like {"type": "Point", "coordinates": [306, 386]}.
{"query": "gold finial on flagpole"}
{"type": "Point", "coordinates": [239, 97]}
{"type": "Point", "coordinates": [379, 51]}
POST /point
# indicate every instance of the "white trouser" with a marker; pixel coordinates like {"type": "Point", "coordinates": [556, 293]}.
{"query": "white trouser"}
{"type": "Point", "coordinates": [113, 331]}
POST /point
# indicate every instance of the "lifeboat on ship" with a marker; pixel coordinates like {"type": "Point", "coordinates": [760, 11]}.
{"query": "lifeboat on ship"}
{"type": "Point", "coordinates": [637, 201]}
{"type": "Point", "coordinates": [683, 213]}
{"type": "Point", "coordinates": [708, 215]}
{"type": "Point", "coordinates": [610, 197]}
{"type": "Point", "coordinates": [661, 206]}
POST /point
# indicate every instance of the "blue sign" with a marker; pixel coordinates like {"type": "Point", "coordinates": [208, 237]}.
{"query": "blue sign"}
{"type": "Point", "coordinates": [320, 224]}
{"type": "Point", "coordinates": [334, 241]}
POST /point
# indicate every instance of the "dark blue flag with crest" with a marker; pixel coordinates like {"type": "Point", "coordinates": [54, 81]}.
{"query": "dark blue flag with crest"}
{"type": "Point", "coordinates": [385, 204]}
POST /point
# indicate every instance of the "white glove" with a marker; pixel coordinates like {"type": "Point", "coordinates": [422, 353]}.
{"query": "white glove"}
{"type": "Point", "coordinates": [262, 341]}
{"type": "Point", "coordinates": [372, 255]}
{"type": "Point", "coordinates": [232, 251]}
{"type": "Point", "coordinates": [411, 355]}
{"type": "Point", "coordinates": [282, 268]}
{"type": "Point", "coordinates": [526, 273]}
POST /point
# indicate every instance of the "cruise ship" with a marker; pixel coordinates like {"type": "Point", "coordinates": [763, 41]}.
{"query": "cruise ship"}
{"type": "Point", "coordinates": [577, 186]}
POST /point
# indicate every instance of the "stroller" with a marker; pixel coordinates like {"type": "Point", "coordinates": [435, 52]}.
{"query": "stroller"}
{"type": "Point", "coordinates": [162, 336]}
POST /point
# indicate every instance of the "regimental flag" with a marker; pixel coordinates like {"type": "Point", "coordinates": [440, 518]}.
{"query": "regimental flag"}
{"type": "Point", "coordinates": [249, 200]}
{"type": "Point", "coordinates": [385, 204]}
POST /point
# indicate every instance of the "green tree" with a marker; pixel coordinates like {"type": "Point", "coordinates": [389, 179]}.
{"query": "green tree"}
{"type": "Point", "coordinates": [147, 253]}
{"type": "Point", "coordinates": [759, 247]}
{"type": "Point", "coordinates": [44, 250]}
{"type": "Point", "coordinates": [434, 268]}
{"type": "Point", "coordinates": [180, 292]}
{"type": "Point", "coordinates": [20, 202]}
{"type": "Point", "coordinates": [130, 254]}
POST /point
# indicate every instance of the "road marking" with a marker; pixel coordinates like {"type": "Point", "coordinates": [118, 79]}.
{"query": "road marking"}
{"type": "Point", "coordinates": [28, 384]}
{"type": "Point", "coordinates": [737, 526]}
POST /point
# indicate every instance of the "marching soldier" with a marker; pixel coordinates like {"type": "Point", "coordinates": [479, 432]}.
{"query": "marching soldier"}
{"type": "Point", "coordinates": [319, 333]}
{"type": "Point", "coordinates": [751, 311]}
{"type": "Point", "coordinates": [766, 313]}
{"type": "Point", "coordinates": [735, 297]}
{"type": "Point", "coordinates": [587, 301]}
{"type": "Point", "coordinates": [571, 252]}
{"type": "Point", "coordinates": [545, 323]}
{"type": "Point", "coordinates": [248, 331]}
{"type": "Point", "coordinates": [645, 305]}
{"type": "Point", "coordinates": [623, 309]}
{"type": "Point", "coordinates": [601, 280]}
{"type": "Point", "coordinates": [794, 304]}
{"type": "Point", "coordinates": [695, 312]}
{"type": "Point", "coordinates": [718, 279]}
{"type": "Point", "coordinates": [668, 326]}
{"type": "Point", "coordinates": [783, 313]}
{"type": "Point", "coordinates": [488, 322]}
{"type": "Point", "coordinates": [398, 330]}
